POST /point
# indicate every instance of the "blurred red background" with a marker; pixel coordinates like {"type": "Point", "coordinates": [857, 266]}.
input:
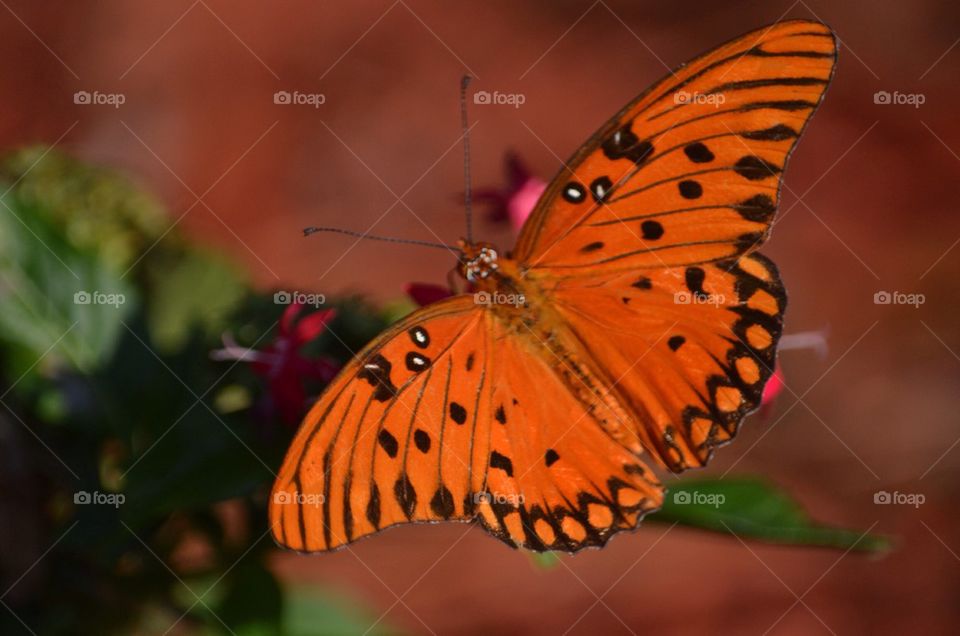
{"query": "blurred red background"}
{"type": "Point", "coordinates": [869, 205]}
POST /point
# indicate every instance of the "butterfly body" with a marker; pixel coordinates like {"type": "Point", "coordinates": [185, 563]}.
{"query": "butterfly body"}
{"type": "Point", "coordinates": [513, 297]}
{"type": "Point", "coordinates": [634, 320]}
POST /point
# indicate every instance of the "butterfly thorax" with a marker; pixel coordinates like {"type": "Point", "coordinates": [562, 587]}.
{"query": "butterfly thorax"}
{"type": "Point", "coordinates": [479, 261]}
{"type": "Point", "coordinates": [497, 281]}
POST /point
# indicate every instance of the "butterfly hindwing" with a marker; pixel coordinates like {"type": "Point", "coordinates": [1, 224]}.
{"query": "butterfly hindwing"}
{"type": "Point", "coordinates": [690, 171]}
{"type": "Point", "coordinates": [692, 346]}
{"type": "Point", "coordinates": [557, 479]}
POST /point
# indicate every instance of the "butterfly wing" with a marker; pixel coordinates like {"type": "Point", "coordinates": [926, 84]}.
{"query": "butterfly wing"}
{"type": "Point", "coordinates": [429, 425]}
{"type": "Point", "coordinates": [576, 485]}
{"type": "Point", "coordinates": [689, 172]}
{"type": "Point", "coordinates": [645, 244]}
{"type": "Point", "coordinates": [705, 336]}
{"type": "Point", "coordinates": [372, 451]}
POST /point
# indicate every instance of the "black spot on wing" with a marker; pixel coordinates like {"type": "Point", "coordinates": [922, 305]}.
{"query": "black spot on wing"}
{"type": "Point", "coordinates": [501, 415]}
{"type": "Point", "coordinates": [376, 371]}
{"type": "Point", "coordinates": [502, 462]}
{"type": "Point", "coordinates": [759, 208]}
{"type": "Point", "coordinates": [675, 342]}
{"type": "Point", "coordinates": [416, 362]}
{"type": "Point", "coordinates": [652, 230]}
{"type": "Point", "coordinates": [388, 443]}
{"type": "Point", "coordinates": [573, 192]}
{"type": "Point", "coordinates": [690, 189]}
{"type": "Point", "coordinates": [697, 152]}
{"type": "Point", "coordinates": [779, 132]}
{"type": "Point", "coordinates": [550, 457]}
{"type": "Point", "coordinates": [373, 506]}
{"type": "Point", "coordinates": [422, 440]}
{"type": "Point", "coordinates": [406, 495]}
{"type": "Point", "coordinates": [694, 277]}
{"type": "Point", "coordinates": [419, 336]}
{"type": "Point", "coordinates": [457, 413]}
{"type": "Point", "coordinates": [442, 502]}
{"type": "Point", "coordinates": [755, 168]}
{"type": "Point", "coordinates": [600, 188]}
{"type": "Point", "coordinates": [624, 144]}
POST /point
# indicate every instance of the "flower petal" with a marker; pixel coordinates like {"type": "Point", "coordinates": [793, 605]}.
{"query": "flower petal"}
{"type": "Point", "coordinates": [426, 293]}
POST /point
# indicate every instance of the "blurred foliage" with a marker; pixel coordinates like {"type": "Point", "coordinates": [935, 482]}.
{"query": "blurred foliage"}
{"type": "Point", "coordinates": [136, 468]}
{"type": "Point", "coordinates": [108, 320]}
{"type": "Point", "coordinates": [753, 509]}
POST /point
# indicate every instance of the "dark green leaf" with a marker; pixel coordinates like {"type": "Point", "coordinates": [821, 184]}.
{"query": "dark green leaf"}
{"type": "Point", "coordinates": [751, 508]}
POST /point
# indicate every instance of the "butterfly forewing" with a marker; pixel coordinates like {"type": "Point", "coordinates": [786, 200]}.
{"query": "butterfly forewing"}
{"type": "Point", "coordinates": [396, 437]}
{"type": "Point", "coordinates": [690, 171]}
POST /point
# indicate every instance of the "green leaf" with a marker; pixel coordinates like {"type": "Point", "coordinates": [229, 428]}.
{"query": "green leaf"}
{"type": "Point", "coordinates": [311, 611]}
{"type": "Point", "coordinates": [193, 290]}
{"type": "Point", "coordinates": [58, 301]}
{"type": "Point", "coordinates": [545, 560]}
{"type": "Point", "coordinates": [199, 461]}
{"type": "Point", "coordinates": [751, 508]}
{"type": "Point", "coordinates": [95, 209]}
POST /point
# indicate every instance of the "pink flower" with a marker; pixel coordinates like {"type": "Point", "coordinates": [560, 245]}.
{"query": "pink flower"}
{"type": "Point", "coordinates": [813, 340]}
{"type": "Point", "coordinates": [521, 204]}
{"type": "Point", "coordinates": [282, 365]}
{"type": "Point", "coordinates": [427, 293]}
{"type": "Point", "coordinates": [773, 387]}
{"type": "Point", "coordinates": [516, 201]}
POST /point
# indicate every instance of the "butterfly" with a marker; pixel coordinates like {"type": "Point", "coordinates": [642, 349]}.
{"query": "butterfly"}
{"type": "Point", "coordinates": [633, 324]}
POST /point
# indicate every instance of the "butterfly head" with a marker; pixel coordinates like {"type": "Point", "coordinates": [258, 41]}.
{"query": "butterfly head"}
{"type": "Point", "coordinates": [479, 261]}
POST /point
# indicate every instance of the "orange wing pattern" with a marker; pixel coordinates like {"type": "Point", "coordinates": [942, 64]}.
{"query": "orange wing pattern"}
{"type": "Point", "coordinates": [391, 439]}
{"type": "Point", "coordinates": [427, 425]}
{"type": "Point", "coordinates": [693, 347]}
{"type": "Point", "coordinates": [575, 485]}
{"type": "Point", "coordinates": [689, 172]}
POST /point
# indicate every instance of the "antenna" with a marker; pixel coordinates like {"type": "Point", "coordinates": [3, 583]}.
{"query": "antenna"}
{"type": "Point", "coordinates": [464, 82]}
{"type": "Point", "coordinates": [389, 239]}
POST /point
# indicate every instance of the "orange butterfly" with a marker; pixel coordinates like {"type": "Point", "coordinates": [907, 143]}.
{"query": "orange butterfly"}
{"type": "Point", "coordinates": [634, 316]}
